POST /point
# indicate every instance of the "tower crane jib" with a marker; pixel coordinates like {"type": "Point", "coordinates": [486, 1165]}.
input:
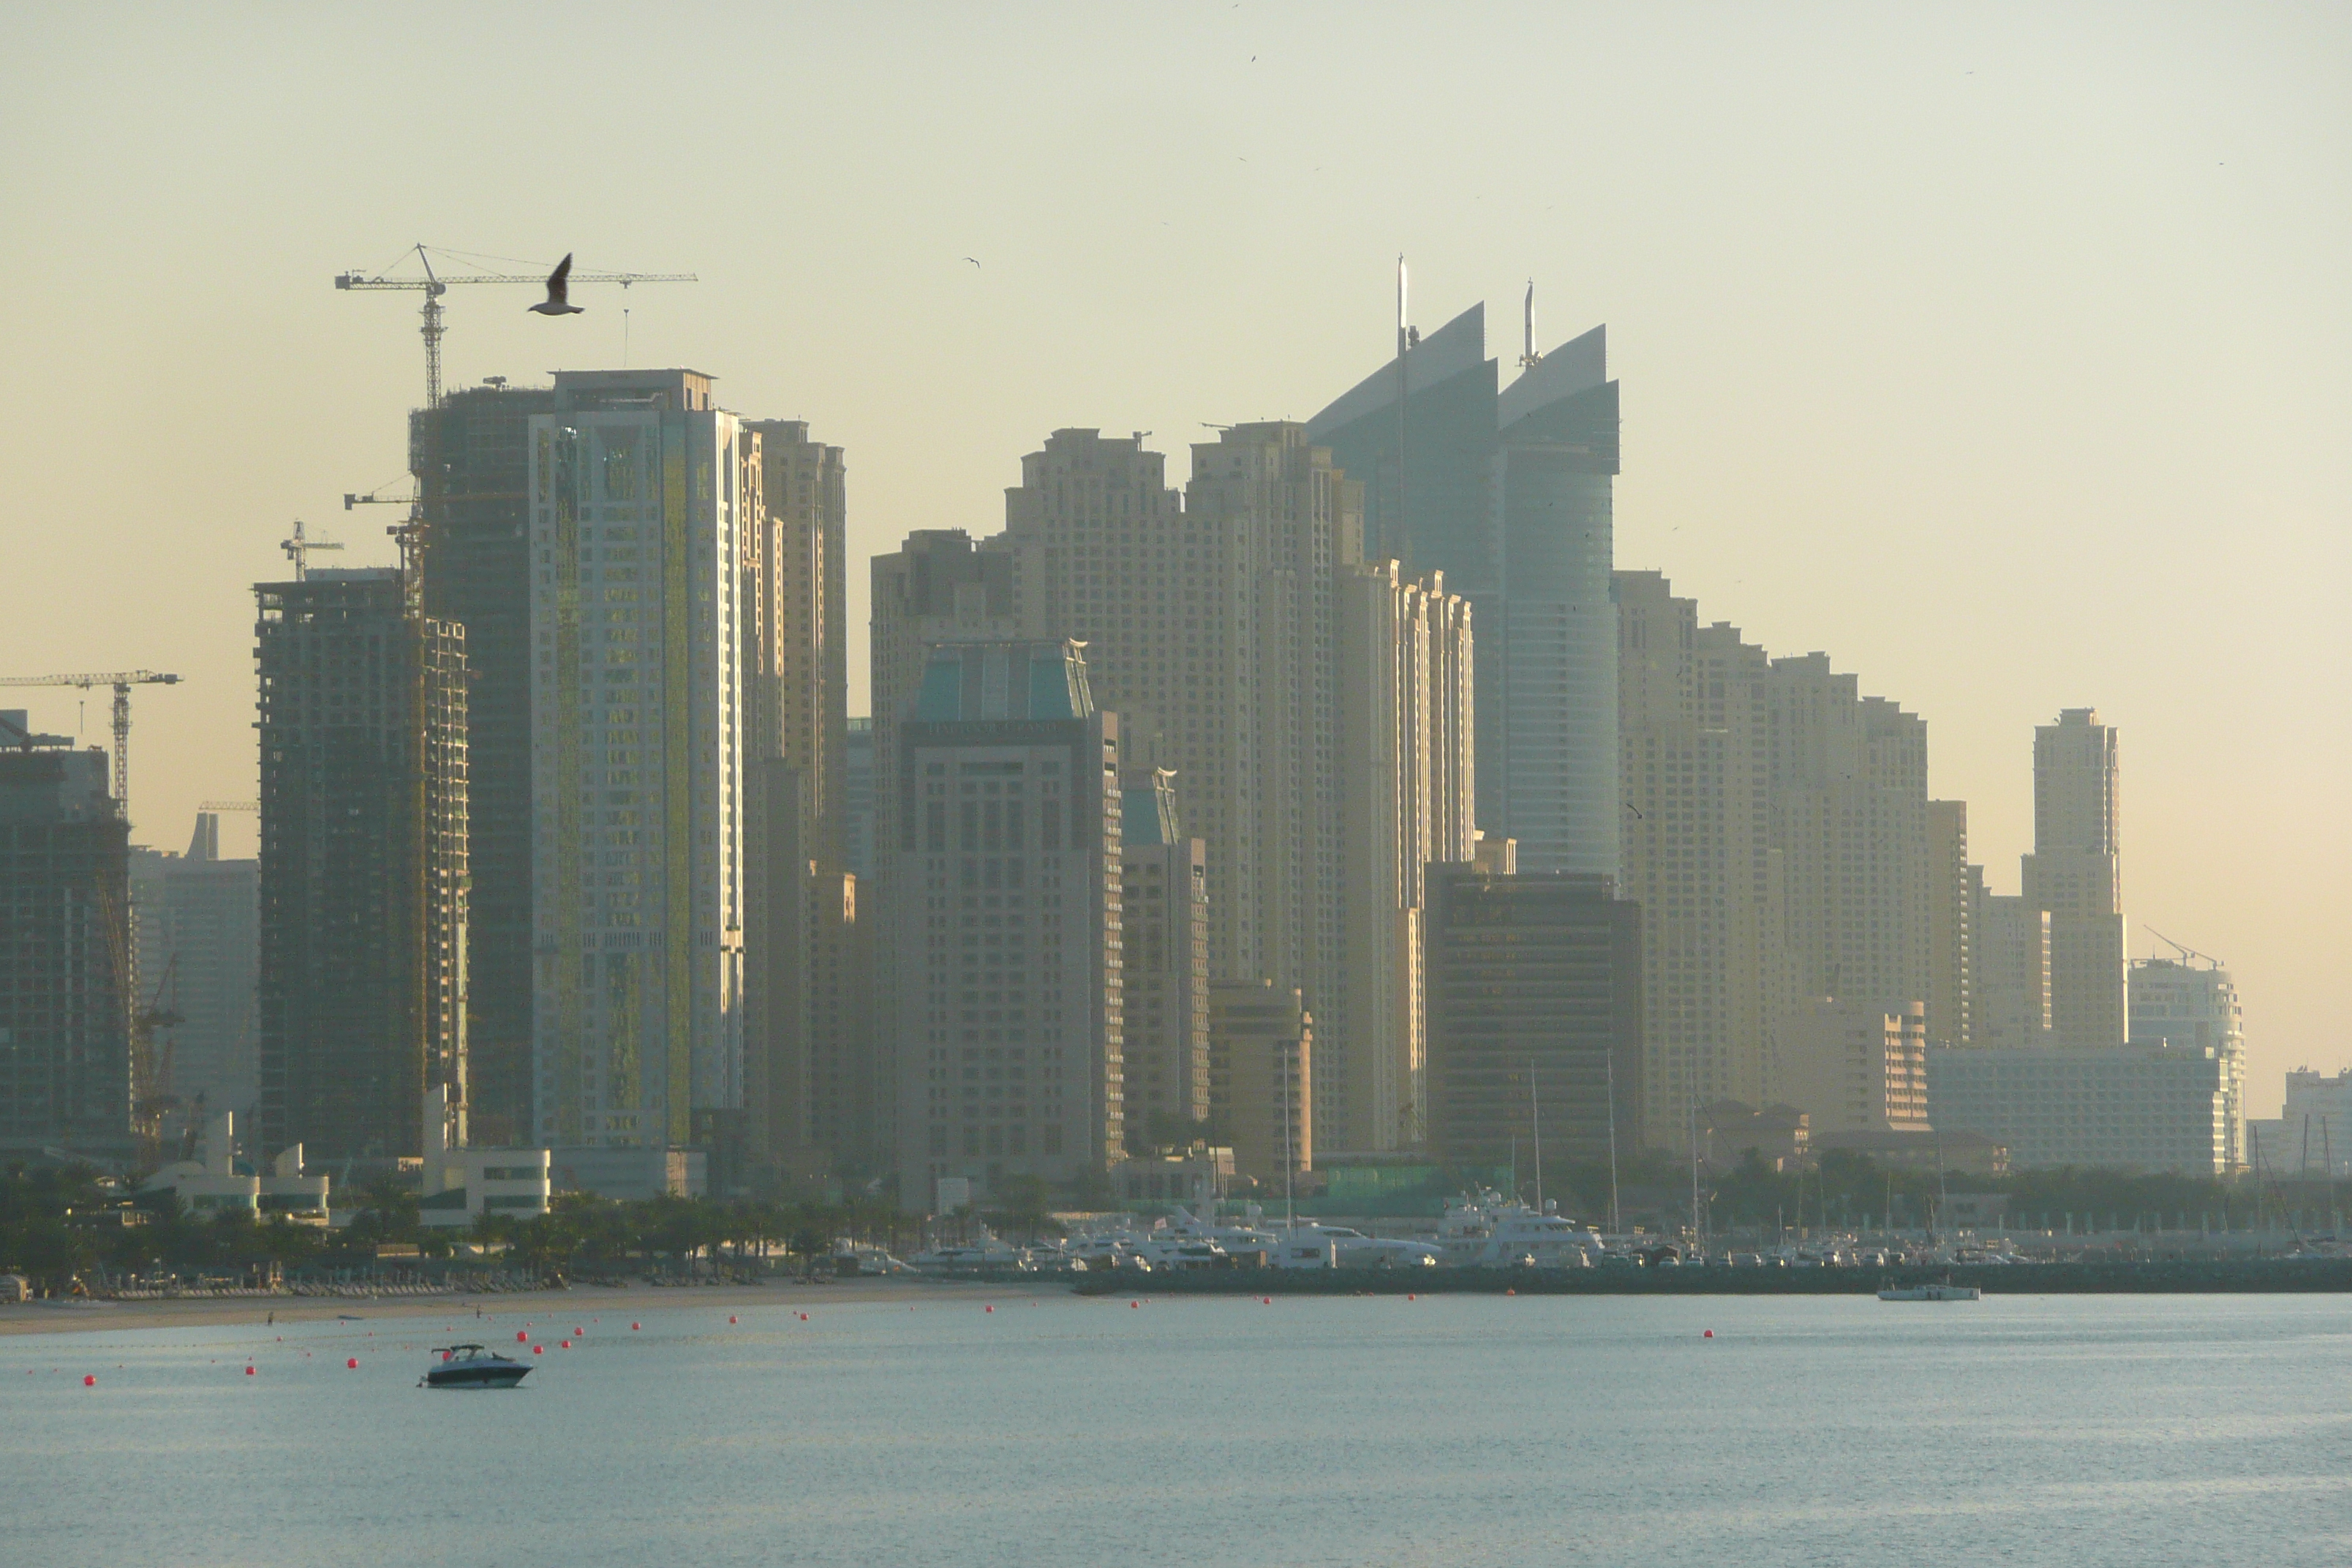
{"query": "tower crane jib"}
{"type": "Point", "coordinates": [122, 681]}
{"type": "Point", "coordinates": [433, 285]}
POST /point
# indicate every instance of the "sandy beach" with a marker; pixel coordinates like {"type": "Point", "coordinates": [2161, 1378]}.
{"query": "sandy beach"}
{"type": "Point", "coordinates": [67, 1317]}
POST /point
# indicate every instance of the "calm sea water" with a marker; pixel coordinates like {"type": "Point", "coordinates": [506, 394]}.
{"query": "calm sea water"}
{"type": "Point", "coordinates": [1054, 1430]}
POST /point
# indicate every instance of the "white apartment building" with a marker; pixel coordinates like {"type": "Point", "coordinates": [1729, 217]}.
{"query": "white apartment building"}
{"type": "Point", "coordinates": [2192, 1004]}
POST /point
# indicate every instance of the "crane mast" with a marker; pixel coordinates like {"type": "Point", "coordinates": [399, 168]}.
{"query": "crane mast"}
{"type": "Point", "coordinates": [122, 681]}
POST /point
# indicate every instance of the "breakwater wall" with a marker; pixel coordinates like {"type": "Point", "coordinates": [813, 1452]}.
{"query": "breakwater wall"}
{"type": "Point", "coordinates": [2164, 1277]}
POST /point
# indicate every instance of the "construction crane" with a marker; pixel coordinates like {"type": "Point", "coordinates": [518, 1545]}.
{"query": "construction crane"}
{"type": "Point", "coordinates": [122, 681]}
{"type": "Point", "coordinates": [434, 285]}
{"type": "Point", "coordinates": [300, 547]}
{"type": "Point", "coordinates": [2186, 953]}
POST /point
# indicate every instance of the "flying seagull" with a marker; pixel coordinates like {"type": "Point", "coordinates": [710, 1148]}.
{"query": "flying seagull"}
{"type": "Point", "coordinates": [559, 291]}
{"type": "Point", "coordinates": [973, 259]}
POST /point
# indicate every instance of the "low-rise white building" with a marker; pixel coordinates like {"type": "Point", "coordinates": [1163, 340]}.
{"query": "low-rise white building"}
{"type": "Point", "coordinates": [2311, 1136]}
{"type": "Point", "coordinates": [2151, 1108]}
{"type": "Point", "coordinates": [460, 1183]}
{"type": "Point", "coordinates": [212, 1182]}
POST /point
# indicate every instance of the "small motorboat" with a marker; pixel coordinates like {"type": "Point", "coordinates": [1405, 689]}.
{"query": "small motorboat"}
{"type": "Point", "coordinates": [1934, 1290]}
{"type": "Point", "coordinates": [472, 1366]}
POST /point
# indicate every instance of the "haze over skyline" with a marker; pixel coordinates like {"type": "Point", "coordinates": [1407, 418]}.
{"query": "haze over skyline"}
{"type": "Point", "coordinates": [1998, 356]}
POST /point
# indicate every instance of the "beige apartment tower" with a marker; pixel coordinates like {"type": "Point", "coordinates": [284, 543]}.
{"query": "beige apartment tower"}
{"type": "Point", "coordinates": [1262, 1077]}
{"type": "Point", "coordinates": [1407, 726]}
{"type": "Point", "coordinates": [1696, 760]}
{"type": "Point", "coordinates": [1008, 898]}
{"type": "Point", "coordinates": [1952, 885]}
{"type": "Point", "coordinates": [808, 1100]}
{"type": "Point", "coordinates": [1854, 1067]}
{"type": "Point", "coordinates": [2075, 874]}
{"type": "Point", "coordinates": [1164, 925]}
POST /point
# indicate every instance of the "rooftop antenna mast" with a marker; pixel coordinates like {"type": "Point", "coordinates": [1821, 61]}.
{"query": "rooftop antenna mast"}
{"type": "Point", "coordinates": [1528, 356]}
{"type": "Point", "coordinates": [1396, 544]}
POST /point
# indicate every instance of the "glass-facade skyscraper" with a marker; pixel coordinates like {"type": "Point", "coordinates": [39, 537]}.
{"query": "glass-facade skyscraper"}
{"type": "Point", "coordinates": [1510, 492]}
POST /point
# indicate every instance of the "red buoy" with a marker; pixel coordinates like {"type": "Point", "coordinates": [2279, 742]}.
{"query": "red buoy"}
{"type": "Point", "coordinates": [89, 1379]}
{"type": "Point", "coordinates": [539, 1349]}
{"type": "Point", "coordinates": [354, 1362]}
{"type": "Point", "coordinates": [635, 1326]}
{"type": "Point", "coordinates": [731, 1317]}
{"type": "Point", "coordinates": [521, 1337]}
{"type": "Point", "coordinates": [565, 1346]}
{"type": "Point", "coordinates": [249, 1372]}
{"type": "Point", "coordinates": [983, 1309]}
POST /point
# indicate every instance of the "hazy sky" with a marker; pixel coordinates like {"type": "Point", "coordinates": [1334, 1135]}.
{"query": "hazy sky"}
{"type": "Point", "coordinates": [2001, 352]}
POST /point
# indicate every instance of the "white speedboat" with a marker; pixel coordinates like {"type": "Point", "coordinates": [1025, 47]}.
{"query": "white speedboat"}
{"type": "Point", "coordinates": [1934, 1290]}
{"type": "Point", "coordinates": [472, 1366]}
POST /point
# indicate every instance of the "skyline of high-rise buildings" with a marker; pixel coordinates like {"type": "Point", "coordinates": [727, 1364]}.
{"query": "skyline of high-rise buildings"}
{"type": "Point", "coordinates": [720, 870]}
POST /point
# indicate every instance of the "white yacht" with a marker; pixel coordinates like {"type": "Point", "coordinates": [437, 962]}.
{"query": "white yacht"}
{"type": "Point", "coordinates": [1237, 1240]}
{"type": "Point", "coordinates": [1934, 1290]}
{"type": "Point", "coordinates": [1309, 1244]}
{"type": "Point", "coordinates": [988, 1253]}
{"type": "Point", "coordinates": [1487, 1232]}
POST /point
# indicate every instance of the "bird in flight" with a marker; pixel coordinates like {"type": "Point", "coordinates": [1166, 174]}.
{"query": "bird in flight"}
{"type": "Point", "coordinates": [559, 291]}
{"type": "Point", "coordinates": [973, 259]}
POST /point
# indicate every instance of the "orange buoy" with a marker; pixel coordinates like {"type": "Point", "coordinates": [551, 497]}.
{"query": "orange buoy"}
{"type": "Point", "coordinates": [1512, 1291]}
{"type": "Point", "coordinates": [1410, 1296]}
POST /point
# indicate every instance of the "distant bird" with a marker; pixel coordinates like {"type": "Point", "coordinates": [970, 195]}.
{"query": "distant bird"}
{"type": "Point", "coordinates": [559, 291]}
{"type": "Point", "coordinates": [975, 261]}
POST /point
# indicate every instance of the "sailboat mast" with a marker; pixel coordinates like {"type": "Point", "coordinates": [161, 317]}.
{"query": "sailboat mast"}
{"type": "Point", "coordinates": [1610, 1058]}
{"type": "Point", "coordinates": [1534, 1115]}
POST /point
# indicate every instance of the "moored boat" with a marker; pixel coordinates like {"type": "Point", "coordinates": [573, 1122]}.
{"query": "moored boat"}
{"type": "Point", "coordinates": [1933, 1290]}
{"type": "Point", "coordinates": [472, 1366]}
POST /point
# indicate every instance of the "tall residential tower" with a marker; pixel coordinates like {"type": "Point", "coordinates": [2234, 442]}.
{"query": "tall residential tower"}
{"type": "Point", "coordinates": [639, 517]}
{"type": "Point", "coordinates": [365, 879]}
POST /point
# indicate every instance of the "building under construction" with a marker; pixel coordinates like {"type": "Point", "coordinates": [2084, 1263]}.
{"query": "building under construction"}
{"type": "Point", "coordinates": [470, 456]}
{"type": "Point", "coordinates": [363, 863]}
{"type": "Point", "coordinates": [64, 959]}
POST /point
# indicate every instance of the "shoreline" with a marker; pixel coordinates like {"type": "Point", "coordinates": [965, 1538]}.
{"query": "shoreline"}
{"type": "Point", "coordinates": [99, 1316]}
